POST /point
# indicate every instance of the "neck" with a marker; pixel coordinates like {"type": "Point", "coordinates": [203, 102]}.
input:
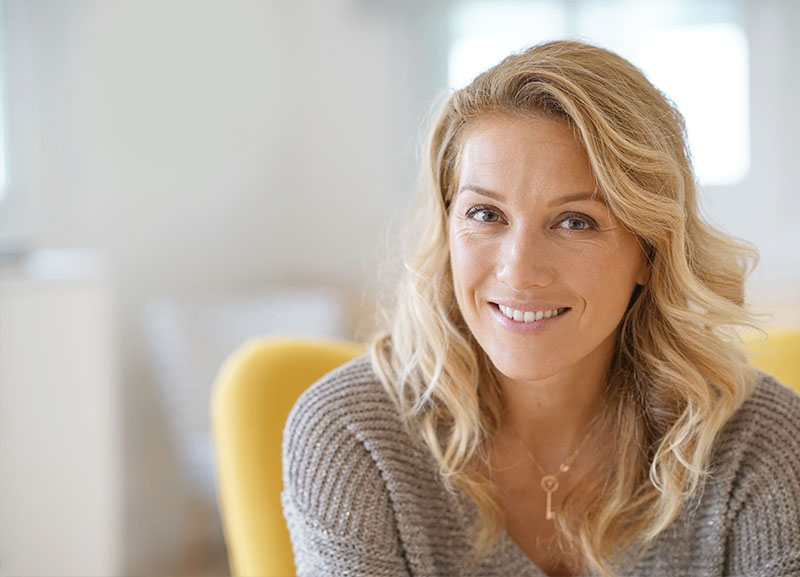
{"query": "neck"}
{"type": "Point", "coordinates": [552, 416]}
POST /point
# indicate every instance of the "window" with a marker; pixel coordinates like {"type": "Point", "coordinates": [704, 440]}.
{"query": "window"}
{"type": "Point", "coordinates": [3, 124]}
{"type": "Point", "coordinates": [695, 52]}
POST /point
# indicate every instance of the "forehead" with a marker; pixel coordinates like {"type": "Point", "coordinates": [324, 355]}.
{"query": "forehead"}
{"type": "Point", "coordinates": [523, 153]}
{"type": "Point", "coordinates": [515, 135]}
{"type": "Point", "coordinates": [533, 123]}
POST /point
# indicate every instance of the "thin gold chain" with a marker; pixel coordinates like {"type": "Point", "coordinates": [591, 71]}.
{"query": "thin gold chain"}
{"type": "Point", "coordinates": [566, 463]}
{"type": "Point", "coordinates": [549, 481]}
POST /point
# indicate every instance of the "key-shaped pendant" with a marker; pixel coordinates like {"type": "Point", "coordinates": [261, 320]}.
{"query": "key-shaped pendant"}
{"type": "Point", "coordinates": [549, 485]}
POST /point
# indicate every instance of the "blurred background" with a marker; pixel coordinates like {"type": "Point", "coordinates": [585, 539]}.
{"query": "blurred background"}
{"type": "Point", "coordinates": [180, 175]}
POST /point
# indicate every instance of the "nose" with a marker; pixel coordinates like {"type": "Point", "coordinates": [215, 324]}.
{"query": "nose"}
{"type": "Point", "coordinates": [526, 260]}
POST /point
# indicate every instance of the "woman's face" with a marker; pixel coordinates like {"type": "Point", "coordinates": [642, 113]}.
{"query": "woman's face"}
{"type": "Point", "coordinates": [542, 271]}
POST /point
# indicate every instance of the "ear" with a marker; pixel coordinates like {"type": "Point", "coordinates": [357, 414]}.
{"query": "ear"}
{"type": "Point", "coordinates": [645, 268]}
{"type": "Point", "coordinates": [643, 276]}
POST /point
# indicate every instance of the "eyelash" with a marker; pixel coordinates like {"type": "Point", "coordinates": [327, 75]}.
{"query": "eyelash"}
{"type": "Point", "coordinates": [482, 208]}
{"type": "Point", "coordinates": [589, 221]}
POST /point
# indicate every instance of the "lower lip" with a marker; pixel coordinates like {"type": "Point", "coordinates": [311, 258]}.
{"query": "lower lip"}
{"type": "Point", "coordinates": [521, 327]}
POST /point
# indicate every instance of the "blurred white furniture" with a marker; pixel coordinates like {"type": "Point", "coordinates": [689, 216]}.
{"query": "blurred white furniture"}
{"type": "Point", "coordinates": [60, 421]}
{"type": "Point", "coordinates": [187, 339]}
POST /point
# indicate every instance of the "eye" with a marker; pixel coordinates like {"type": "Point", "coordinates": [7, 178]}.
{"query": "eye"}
{"type": "Point", "coordinates": [483, 214]}
{"type": "Point", "coordinates": [577, 222]}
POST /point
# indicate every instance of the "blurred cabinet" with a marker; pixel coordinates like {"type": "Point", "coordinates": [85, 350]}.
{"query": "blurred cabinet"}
{"type": "Point", "coordinates": [60, 419]}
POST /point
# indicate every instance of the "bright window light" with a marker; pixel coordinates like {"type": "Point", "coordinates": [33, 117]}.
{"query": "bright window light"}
{"type": "Point", "coordinates": [697, 54]}
{"type": "Point", "coordinates": [486, 32]}
{"type": "Point", "coordinates": [3, 125]}
{"type": "Point", "coordinates": [712, 93]}
{"type": "Point", "coordinates": [3, 161]}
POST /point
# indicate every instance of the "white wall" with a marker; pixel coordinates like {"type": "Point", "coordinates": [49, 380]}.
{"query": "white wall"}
{"type": "Point", "coordinates": [765, 206]}
{"type": "Point", "coordinates": [199, 136]}
{"type": "Point", "coordinates": [209, 147]}
{"type": "Point", "coordinates": [212, 146]}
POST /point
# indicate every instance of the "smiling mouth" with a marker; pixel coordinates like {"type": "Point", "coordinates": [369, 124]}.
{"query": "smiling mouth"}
{"type": "Point", "coordinates": [529, 316]}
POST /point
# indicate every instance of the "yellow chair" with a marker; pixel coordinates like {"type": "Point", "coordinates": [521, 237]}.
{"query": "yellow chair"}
{"type": "Point", "coordinates": [778, 355]}
{"type": "Point", "coordinates": [253, 394]}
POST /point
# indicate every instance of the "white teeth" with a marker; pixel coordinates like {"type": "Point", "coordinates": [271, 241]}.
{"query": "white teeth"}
{"type": "Point", "coordinates": [528, 316]}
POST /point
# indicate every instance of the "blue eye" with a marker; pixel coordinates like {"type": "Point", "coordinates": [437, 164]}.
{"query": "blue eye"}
{"type": "Point", "coordinates": [577, 222]}
{"type": "Point", "coordinates": [483, 214]}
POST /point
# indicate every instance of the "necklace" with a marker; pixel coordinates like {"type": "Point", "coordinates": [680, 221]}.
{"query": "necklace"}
{"type": "Point", "coordinates": [549, 481]}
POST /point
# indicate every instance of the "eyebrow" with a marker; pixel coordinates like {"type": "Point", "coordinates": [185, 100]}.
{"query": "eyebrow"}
{"type": "Point", "coordinates": [567, 198]}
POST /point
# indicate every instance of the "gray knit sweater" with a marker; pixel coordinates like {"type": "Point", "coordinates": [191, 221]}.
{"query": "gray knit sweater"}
{"type": "Point", "coordinates": [362, 498]}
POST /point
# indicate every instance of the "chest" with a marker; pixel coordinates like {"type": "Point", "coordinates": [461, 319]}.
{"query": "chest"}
{"type": "Point", "coordinates": [525, 506]}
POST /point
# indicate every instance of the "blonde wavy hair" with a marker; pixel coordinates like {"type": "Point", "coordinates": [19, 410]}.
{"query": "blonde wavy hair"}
{"type": "Point", "coordinates": [677, 374]}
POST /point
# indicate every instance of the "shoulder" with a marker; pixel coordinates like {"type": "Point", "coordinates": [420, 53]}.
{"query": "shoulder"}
{"type": "Point", "coordinates": [348, 407]}
{"type": "Point", "coordinates": [357, 479]}
{"type": "Point", "coordinates": [747, 517]}
{"type": "Point", "coordinates": [760, 447]}
{"type": "Point", "coordinates": [763, 436]}
{"type": "Point", "coordinates": [349, 413]}
{"type": "Point", "coordinates": [335, 499]}
{"type": "Point", "coordinates": [772, 398]}
{"type": "Point", "coordinates": [767, 424]}
{"type": "Point", "coordinates": [351, 399]}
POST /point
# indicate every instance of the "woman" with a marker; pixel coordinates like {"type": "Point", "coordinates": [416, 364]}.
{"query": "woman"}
{"type": "Point", "coordinates": [560, 392]}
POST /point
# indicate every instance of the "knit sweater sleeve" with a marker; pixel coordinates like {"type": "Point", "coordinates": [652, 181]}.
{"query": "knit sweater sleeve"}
{"type": "Point", "coordinates": [764, 540]}
{"type": "Point", "coordinates": [335, 501]}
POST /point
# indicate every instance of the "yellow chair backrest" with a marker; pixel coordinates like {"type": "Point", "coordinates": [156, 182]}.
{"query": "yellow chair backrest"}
{"type": "Point", "coordinates": [778, 355]}
{"type": "Point", "coordinates": [253, 394]}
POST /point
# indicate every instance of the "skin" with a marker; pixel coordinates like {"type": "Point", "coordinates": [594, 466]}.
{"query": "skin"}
{"type": "Point", "coordinates": [528, 230]}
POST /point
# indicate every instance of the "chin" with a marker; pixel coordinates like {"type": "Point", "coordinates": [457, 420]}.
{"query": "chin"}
{"type": "Point", "coordinates": [521, 369]}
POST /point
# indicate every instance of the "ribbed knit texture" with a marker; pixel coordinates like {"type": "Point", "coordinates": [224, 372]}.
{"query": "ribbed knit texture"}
{"type": "Point", "coordinates": [361, 497]}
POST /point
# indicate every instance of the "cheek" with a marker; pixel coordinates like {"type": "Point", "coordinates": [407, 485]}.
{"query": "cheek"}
{"type": "Point", "coordinates": [601, 274]}
{"type": "Point", "coordinates": [458, 266]}
{"type": "Point", "coordinates": [470, 264]}
{"type": "Point", "coordinates": [610, 281]}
